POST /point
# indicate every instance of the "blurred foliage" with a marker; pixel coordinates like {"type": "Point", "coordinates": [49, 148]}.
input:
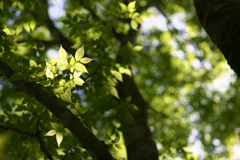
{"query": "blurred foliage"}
{"type": "Point", "coordinates": [181, 74]}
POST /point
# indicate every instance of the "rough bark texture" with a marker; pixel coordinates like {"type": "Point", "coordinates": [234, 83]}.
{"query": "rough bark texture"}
{"type": "Point", "coordinates": [97, 149]}
{"type": "Point", "coordinates": [221, 20]}
{"type": "Point", "coordinates": [138, 139]}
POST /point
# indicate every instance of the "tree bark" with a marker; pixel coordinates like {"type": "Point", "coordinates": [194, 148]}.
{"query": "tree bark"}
{"type": "Point", "coordinates": [221, 20]}
{"type": "Point", "coordinates": [137, 138]}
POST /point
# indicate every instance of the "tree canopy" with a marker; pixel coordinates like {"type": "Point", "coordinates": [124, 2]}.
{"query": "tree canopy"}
{"type": "Point", "coordinates": [119, 88]}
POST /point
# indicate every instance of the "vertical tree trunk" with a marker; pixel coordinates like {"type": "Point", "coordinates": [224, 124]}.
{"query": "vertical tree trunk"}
{"type": "Point", "coordinates": [138, 139]}
{"type": "Point", "coordinates": [221, 20]}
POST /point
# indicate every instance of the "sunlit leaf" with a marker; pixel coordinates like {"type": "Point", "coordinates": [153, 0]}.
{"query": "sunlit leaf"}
{"type": "Point", "coordinates": [62, 53]}
{"type": "Point", "coordinates": [134, 24]}
{"type": "Point", "coordinates": [123, 6]}
{"type": "Point", "coordinates": [80, 67]}
{"type": "Point", "coordinates": [126, 71]}
{"type": "Point", "coordinates": [135, 15]}
{"type": "Point", "coordinates": [139, 20]}
{"type": "Point", "coordinates": [59, 62]}
{"type": "Point", "coordinates": [54, 69]}
{"type": "Point", "coordinates": [79, 53]}
{"type": "Point", "coordinates": [131, 6]}
{"type": "Point", "coordinates": [67, 96]}
{"type": "Point", "coordinates": [19, 29]}
{"type": "Point", "coordinates": [138, 48]}
{"type": "Point", "coordinates": [59, 138]}
{"type": "Point", "coordinates": [26, 27]}
{"type": "Point", "coordinates": [114, 92]}
{"type": "Point", "coordinates": [63, 68]}
{"type": "Point", "coordinates": [85, 60]}
{"type": "Point", "coordinates": [49, 74]}
{"type": "Point", "coordinates": [117, 74]}
{"type": "Point", "coordinates": [78, 81]}
{"type": "Point", "coordinates": [32, 63]}
{"type": "Point", "coordinates": [77, 74]}
{"type": "Point", "coordinates": [74, 111]}
{"type": "Point", "coordinates": [52, 132]}
{"type": "Point", "coordinates": [32, 24]}
{"type": "Point", "coordinates": [20, 6]}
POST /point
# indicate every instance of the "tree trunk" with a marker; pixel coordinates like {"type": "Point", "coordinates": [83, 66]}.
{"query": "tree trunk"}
{"type": "Point", "coordinates": [221, 20]}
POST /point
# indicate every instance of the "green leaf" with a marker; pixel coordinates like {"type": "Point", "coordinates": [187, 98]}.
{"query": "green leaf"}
{"type": "Point", "coordinates": [114, 92]}
{"type": "Point", "coordinates": [70, 60]}
{"type": "Point", "coordinates": [16, 76]}
{"type": "Point", "coordinates": [59, 138]}
{"type": "Point", "coordinates": [83, 110]}
{"type": "Point", "coordinates": [14, 4]}
{"type": "Point", "coordinates": [52, 132]}
{"type": "Point", "coordinates": [77, 106]}
{"type": "Point", "coordinates": [32, 24]}
{"type": "Point", "coordinates": [131, 6]}
{"type": "Point", "coordinates": [19, 29]}
{"type": "Point", "coordinates": [79, 53]}
{"type": "Point", "coordinates": [50, 113]}
{"type": "Point", "coordinates": [21, 108]}
{"type": "Point", "coordinates": [66, 96]}
{"type": "Point", "coordinates": [54, 69]}
{"type": "Point", "coordinates": [72, 69]}
{"type": "Point", "coordinates": [80, 67]}
{"type": "Point", "coordinates": [108, 137]}
{"type": "Point", "coordinates": [135, 15]}
{"type": "Point", "coordinates": [117, 74]}
{"type": "Point", "coordinates": [14, 66]}
{"type": "Point", "coordinates": [138, 48]}
{"type": "Point", "coordinates": [78, 81]}
{"type": "Point", "coordinates": [74, 111]}
{"type": "Point", "coordinates": [44, 83]}
{"type": "Point", "coordinates": [62, 53]}
{"type": "Point", "coordinates": [32, 63]}
{"type": "Point", "coordinates": [134, 24]}
{"type": "Point", "coordinates": [61, 90]}
{"type": "Point", "coordinates": [26, 27]}
{"type": "Point", "coordinates": [20, 6]}
{"type": "Point", "coordinates": [125, 71]}
{"type": "Point", "coordinates": [59, 62]}
{"type": "Point", "coordinates": [118, 146]}
{"type": "Point", "coordinates": [77, 74]}
{"type": "Point", "coordinates": [49, 73]}
{"type": "Point", "coordinates": [63, 68]}
{"type": "Point", "coordinates": [116, 140]}
{"type": "Point", "coordinates": [1, 5]}
{"type": "Point", "coordinates": [139, 20]}
{"type": "Point", "coordinates": [123, 6]}
{"type": "Point", "coordinates": [55, 126]}
{"type": "Point", "coordinates": [86, 60]}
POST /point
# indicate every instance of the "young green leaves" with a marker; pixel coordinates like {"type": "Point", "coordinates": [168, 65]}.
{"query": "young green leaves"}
{"type": "Point", "coordinates": [129, 12]}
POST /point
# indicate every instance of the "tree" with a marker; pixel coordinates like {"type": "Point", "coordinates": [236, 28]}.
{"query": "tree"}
{"type": "Point", "coordinates": [115, 87]}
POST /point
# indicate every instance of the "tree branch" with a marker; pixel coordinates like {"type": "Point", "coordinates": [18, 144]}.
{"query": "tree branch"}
{"type": "Point", "coordinates": [92, 144]}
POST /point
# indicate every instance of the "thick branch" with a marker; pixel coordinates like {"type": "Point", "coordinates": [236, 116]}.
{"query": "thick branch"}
{"type": "Point", "coordinates": [221, 20]}
{"type": "Point", "coordinates": [97, 149]}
